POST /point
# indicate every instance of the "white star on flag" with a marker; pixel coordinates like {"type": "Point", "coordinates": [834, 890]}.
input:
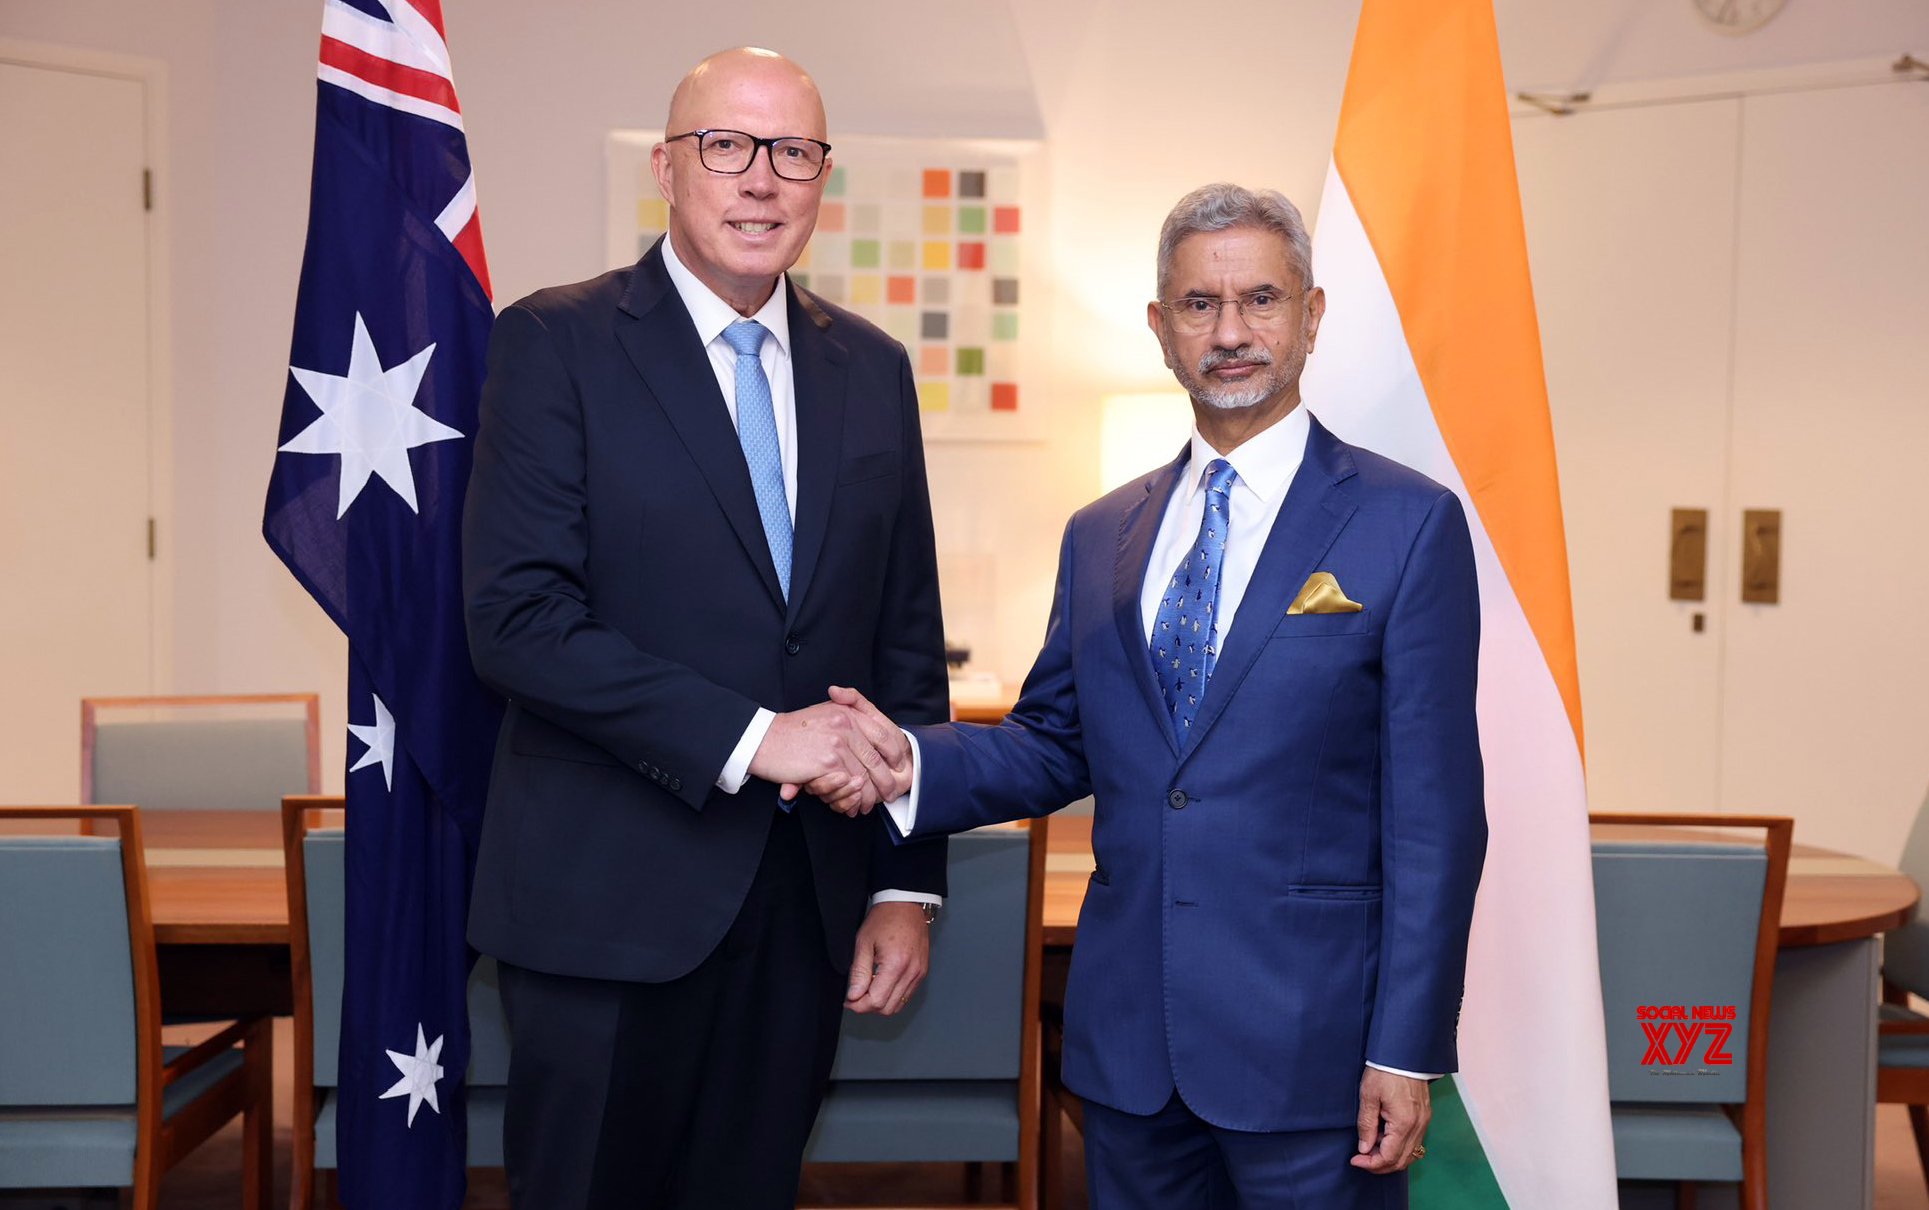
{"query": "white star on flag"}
{"type": "Point", "coordinates": [369, 417]}
{"type": "Point", "coordinates": [380, 738]}
{"type": "Point", "coordinates": [419, 1071]}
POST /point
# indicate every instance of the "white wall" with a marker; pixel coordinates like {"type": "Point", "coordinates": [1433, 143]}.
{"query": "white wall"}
{"type": "Point", "coordinates": [1139, 101]}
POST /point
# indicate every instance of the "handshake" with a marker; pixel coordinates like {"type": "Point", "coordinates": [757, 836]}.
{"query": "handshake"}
{"type": "Point", "coordinates": [843, 751]}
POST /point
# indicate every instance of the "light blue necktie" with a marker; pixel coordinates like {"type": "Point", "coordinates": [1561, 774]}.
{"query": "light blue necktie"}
{"type": "Point", "coordinates": [757, 431]}
{"type": "Point", "coordinates": [1185, 632]}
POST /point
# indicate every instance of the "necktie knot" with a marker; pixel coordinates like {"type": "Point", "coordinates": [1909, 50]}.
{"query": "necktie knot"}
{"type": "Point", "coordinates": [746, 336]}
{"type": "Point", "coordinates": [1220, 477]}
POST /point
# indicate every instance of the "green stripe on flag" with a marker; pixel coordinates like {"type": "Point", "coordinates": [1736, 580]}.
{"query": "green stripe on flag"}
{"type": "Point", "coordinates": [1455, 1174]}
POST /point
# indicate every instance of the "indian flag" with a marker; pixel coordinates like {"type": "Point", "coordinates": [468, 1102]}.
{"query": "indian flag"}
{"type": "Point", "coordinates": [1430, 354]}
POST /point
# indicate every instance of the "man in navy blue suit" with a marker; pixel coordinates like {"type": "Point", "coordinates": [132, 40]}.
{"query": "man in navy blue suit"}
{"type": "Point", "coordinates": [1260, 663]}
{"type": "Point", "coordinates": [699, 500]}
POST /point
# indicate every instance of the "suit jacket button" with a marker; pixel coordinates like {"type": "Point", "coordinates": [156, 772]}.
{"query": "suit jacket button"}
{"type": "Point", "coordinates": [1176, 800]}
{"type": "Point", "coordinates": [793, 644]}
{"type": "Point", "coordinates": [676, 784]}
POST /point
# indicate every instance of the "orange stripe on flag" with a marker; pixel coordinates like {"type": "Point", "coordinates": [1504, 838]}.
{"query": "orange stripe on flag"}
{"type": "Point", "coordinates": [1427, 154]}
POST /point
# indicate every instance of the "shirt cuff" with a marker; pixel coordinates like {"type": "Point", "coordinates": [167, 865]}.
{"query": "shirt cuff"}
{"type": "Point", "coordinates": [736, 770]}
{"type": "Point", "coordinates": [907, 897]}
{"type": "Point", "coordinates": [1395, 1071]}
{"type": "Point", "coordinates": [904, 808]}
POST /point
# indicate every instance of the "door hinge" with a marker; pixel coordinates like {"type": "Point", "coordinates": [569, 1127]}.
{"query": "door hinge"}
{"type": "Point", "coordinates": [150, 539]}
{"type": "Point", "coordinates": [147, 189]}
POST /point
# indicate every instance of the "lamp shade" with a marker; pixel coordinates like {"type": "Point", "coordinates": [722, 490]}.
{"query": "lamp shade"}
{"type": "Point", "coordinates": [1139, 433]}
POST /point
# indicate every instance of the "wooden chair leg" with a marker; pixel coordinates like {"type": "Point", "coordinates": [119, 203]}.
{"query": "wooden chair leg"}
{"type": "Point", "coordinates": [1684, 1195]}
{"type": "Point", "coordinates": [258, 1119]}
{"type": "Point", "coordinates": [974, 1183]}
{"type": "Point", "coordinates": [1919, 1122]}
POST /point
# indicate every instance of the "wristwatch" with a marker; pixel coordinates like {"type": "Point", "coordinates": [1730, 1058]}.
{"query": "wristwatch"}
{"type": "Point", "coordinates": [930, 912]}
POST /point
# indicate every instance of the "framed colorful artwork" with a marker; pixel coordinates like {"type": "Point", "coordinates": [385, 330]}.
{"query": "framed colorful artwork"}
{"type": "Point", "coordinates": [926, 238]}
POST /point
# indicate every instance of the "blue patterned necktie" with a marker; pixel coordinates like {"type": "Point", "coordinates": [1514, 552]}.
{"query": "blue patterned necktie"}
{"type": "Point", "coordinates": [757, 431]}
{"type": "Point", "coordinates": [1185, 633]}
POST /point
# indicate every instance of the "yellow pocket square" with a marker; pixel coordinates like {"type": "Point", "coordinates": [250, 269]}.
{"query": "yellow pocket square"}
{"type": "Point", "coordinates": [1322, 594]}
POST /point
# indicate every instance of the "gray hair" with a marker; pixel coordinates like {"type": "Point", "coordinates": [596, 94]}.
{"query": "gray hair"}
{"type": "Point", "coordinates": [1221, 206]}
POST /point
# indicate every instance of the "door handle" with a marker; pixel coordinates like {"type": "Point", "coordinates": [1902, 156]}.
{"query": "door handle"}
{"type": "Point", "coordinates": [1761, 556]}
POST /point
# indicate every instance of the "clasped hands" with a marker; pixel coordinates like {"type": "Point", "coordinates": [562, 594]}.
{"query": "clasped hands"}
{"type": "Point", "coordinates": [843, 751]}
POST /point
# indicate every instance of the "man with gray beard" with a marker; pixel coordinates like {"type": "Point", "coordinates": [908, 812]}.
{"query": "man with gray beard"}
{"type": "Point", "coordinates": [1260, 663]}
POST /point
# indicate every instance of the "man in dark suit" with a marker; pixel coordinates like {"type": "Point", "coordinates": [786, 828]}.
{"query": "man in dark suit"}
{"type": "Point", "coordinates": [1261, 664]}
{"type": "Point", "coordinates": [699, 499]}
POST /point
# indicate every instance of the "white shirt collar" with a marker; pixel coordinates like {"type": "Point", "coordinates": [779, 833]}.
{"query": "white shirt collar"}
{"type": "Point", "coordinates": [1264, 463]}
{"type": "Point", "coordinates": [712, 315]}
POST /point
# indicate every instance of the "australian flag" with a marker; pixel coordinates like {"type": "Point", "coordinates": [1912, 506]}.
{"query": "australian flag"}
{"type": "Point", "coordinates": [377, 426]}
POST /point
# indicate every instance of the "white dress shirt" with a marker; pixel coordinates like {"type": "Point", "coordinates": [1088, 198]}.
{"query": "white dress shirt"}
{"type": "Point", "coordinates": [1264, 466]}
{"type": "Point", "coordinates": [712, 315]}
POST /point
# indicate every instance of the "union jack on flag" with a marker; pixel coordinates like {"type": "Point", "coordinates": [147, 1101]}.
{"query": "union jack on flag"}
{"type": "Point", "coordinates": [392, 322]}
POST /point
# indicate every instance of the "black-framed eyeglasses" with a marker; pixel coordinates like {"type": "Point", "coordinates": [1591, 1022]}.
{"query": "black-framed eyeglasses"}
{"type": "Point", "coordinates": [1198, 313]}
{"type": "Point", "coordinates": [731, 152]}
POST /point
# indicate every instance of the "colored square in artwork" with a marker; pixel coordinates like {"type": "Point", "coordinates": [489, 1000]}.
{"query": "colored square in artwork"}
{"type": "Point", "coordinates": [934, 360]}
{"type": "Point", "coordinates": [866, 288]}
{"type": "Point", "coordinates": [937, 254]}
{"type": "Point", "coordinates": [1004, 396]}
{"type": "Point", "coordinates": [863, 254]}
{"type": "Point", "coordinates": [1004, 325]}
{"type": "Point", "coordinates": [935, 396]}
{"type": "Point", "coordinates": [835, 186]}
{"type": "Point", "coordinates": [901, 324]}
{"type": "Point", "coordinates": [971, 254]}
{"type": "Point", "coordinates": [936, 325]}
{"type": "Point", "coordinates": [1004, 291]}
{"type": "Point", "coordinates": [652, 214]}
{"type": "Point", "coordinates": [971, 184]}
{"type": "Point", "coordinates": [828, 286]}
{"type": "Point", "coordinates": [937, 290]}
{"type": "Point", "coordinates": [937, 220]}
{"type": "Point", "coordinates": [971, 220]}
{"type": "Point", "coordinates": [1001, 185]}
{"type": "Point", "coordinates": [971, 361]}
{"type": "Point", "coordinates": [937, 182]}
{"type": "Point", "coordinates": [830, 216]}
{"type": "Point", "coordinates": [1004, 256]}
{"type": "Point", "coordinates": [901, 289]}
{"type": "Point", "coordinates": [1001, 362]}
{"type": "Point", "coordinates": [1004, 220]}
{"type": "Point", "coordinates": [901, 218]}
{"type": "Point", "coordinates": [904, 254]}
{"type": "Point", "coordinates": [864, 218]}
{"type": "Point", "coordinates": [803, 258]}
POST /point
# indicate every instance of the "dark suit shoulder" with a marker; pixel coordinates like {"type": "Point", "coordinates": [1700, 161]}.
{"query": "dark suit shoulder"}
{"type": "Point", "coordinates": [848, 328]}
{"type": "Point", "coordinates": [1379, 473]}
{"type": "Point", "coordinates": [595, 297]}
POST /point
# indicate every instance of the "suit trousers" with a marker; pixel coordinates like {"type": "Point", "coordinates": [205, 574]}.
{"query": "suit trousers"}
{"type": "Point", "coordinates": [695, 1093]}
{"type": "Point", "coordinates": [1175, 1160]}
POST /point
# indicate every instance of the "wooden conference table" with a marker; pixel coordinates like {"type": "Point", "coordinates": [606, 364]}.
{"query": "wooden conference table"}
{"type": "Point", "coordinates": [221, 925]}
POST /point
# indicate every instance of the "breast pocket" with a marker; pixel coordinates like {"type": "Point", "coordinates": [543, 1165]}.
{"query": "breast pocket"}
{"type": "Point", "coordinates": [866, 467]}
{"type": "Point", "coordinates": [1323, 625]}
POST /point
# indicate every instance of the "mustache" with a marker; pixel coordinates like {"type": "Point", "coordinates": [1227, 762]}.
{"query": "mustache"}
{"type": "Point", "coordinates": [1214, 358]}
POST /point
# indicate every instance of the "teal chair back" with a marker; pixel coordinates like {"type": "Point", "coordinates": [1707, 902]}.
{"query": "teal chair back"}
{"type": "Point", "coordinates": [1687, 927]}
{"type": "Point", "coordinates": [945, 1080]}
{"type": "Point", "coordinates": [239, 753]}
{"type": "Point", "coordinates": [325, 890]}
{"type": "Point", "coordinates": [1677, 926]}
{"type": "Point", "coordinates": [67, 1018]}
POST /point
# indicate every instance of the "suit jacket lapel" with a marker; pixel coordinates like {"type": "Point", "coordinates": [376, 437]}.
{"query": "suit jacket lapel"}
{"type": "Point", "coordinates": [1316, 508]}
{"type": "Point", "coordinates": [656, 332]}
{"type": "Point", "coordinates": [818, 373]}
{"type": "Point", "coordinates": [1138, 529]}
